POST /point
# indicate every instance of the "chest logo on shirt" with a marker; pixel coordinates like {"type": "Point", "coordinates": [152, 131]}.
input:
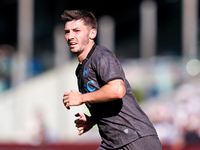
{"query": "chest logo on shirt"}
{"type": "Point", "coordinates": [87, 89]}
{"type": "Point", "coordinates": [85, 72]}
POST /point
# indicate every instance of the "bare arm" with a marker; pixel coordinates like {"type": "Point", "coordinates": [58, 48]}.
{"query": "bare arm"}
{"type": "Point", "coordinates": [113, 90]}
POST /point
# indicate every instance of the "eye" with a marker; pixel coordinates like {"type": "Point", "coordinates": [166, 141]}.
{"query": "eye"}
{"type": "Point", "coordinates": [77, 30]}
{"type": "Point", "coordinates": [66, 31]}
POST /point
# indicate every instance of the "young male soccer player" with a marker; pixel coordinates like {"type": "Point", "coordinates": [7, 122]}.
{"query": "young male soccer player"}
{"type": "Point", "coordinates": [104, 90]}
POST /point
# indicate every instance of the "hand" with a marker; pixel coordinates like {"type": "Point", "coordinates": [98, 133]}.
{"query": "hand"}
{"type": "Point", "coordinates": [73, 98]}
{"type": "Point", "coordinates": [84, 123]}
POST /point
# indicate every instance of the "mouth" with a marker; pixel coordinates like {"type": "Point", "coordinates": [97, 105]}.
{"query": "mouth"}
{"type": "Point", "coordinates": [72, 44]}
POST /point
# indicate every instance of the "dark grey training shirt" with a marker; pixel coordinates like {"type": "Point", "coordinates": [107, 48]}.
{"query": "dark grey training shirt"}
{"type": "Point", "coordinates": [120, 121]}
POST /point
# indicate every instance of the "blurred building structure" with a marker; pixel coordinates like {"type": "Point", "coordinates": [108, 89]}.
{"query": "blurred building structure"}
{"type": "Point", "coordinates": [25, 39]}
{"type": "Point", "coordinates": [148, 29]}
{"type": "Point", "coordinates": [190, 28]}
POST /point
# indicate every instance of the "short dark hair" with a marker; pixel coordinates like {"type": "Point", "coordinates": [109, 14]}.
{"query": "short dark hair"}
{"type": "Point", "coordinates": [88, 17]}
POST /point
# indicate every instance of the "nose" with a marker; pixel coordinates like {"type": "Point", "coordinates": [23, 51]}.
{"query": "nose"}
{"type": "Point", "coordinates": [71, 35]}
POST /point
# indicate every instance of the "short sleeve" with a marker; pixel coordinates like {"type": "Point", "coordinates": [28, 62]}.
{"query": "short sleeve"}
{"type": "Point", "coordinates": [107, 66]}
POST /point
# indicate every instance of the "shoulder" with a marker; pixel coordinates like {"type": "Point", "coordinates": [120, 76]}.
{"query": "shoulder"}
{"type": "Point", "coordinates": [103, 57]}
{"type": "Point", "coordinates": [103, 50]}
{"type": "Point", "coordinates": [103, 53]}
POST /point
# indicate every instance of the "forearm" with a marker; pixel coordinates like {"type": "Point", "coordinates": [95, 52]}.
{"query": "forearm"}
{"type": "Point", "coordinates": [111, 91]}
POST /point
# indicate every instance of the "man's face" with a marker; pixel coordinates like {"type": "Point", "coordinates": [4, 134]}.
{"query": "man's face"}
{"type": "Point", "coordinates": [77, 35]}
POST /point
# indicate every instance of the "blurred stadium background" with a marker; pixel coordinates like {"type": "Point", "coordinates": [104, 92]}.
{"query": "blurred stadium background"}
{"type": "Point", "coordinates": [156, 41]}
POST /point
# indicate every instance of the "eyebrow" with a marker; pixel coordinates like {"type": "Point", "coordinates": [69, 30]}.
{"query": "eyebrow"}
{"type": "Point", "coordinates": [68, 30]}
{"type": "Point", "coordinates": [73, 28]}
{"type": "Point", "coordinates": [77, 28]}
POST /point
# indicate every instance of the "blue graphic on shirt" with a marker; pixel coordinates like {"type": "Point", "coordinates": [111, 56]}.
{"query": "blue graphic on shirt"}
{"type": "Point", "coordinates": [85, 72]}
{"type": "Point", "coordinates": [87, 89]}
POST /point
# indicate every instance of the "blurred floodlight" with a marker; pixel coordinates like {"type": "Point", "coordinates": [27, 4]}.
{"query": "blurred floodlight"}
{"type": "Point", "coordinates": [193, 67]}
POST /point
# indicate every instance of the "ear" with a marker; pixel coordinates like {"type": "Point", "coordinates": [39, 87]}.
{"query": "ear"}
{"type": "Point", "coordinates": [93, 34]}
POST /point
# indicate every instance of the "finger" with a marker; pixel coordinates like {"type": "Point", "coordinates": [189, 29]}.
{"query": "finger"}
{"type": "Point", "coordinates": [73, 91]}
{"type": "Point", "coordinates": [67, 105]}
{"type": "Point", "coordinates": [66, 93]}
{"type": "Point", "coordinates": [81, 132]}
{"type": "Point", "coordinates": [66, 101]}
{"type": "Point", "coordinates": [80, 128]}
{"type": "Point", "coordinates": [81, 115]}
{"type": "Point", "coordinates": [77, 115]}
{"type": "Point", "coordinates": [65, 97]}
{"type": "Point", "coordinates": [79, 123]}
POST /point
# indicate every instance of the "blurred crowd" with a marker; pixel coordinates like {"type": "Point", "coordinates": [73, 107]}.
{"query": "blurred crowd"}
{"type": "Point", "coordinates": [8, 65]}
{"type": "Point", "coordinates": [33, 132]}
{"type": "Point", "coordinates": [177, 120]}
{"type": "Point", "coordinates": [6, 58]}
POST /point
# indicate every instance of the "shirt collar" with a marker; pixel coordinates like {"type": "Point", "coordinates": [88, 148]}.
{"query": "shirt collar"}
{"type": "Point", "coordinates": [85, 60]}
{"type": "Point", "coordinates": [91, 51]}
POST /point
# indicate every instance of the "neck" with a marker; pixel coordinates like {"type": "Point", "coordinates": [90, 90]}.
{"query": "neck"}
{"type": "Point", "coordinates": [85, 52]}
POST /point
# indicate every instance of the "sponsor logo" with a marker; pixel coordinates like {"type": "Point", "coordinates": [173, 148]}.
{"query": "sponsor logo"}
{"type": "Point", "coordinates": [85, 72]}
{"type": "Point", "coordinates": [87, 89]}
